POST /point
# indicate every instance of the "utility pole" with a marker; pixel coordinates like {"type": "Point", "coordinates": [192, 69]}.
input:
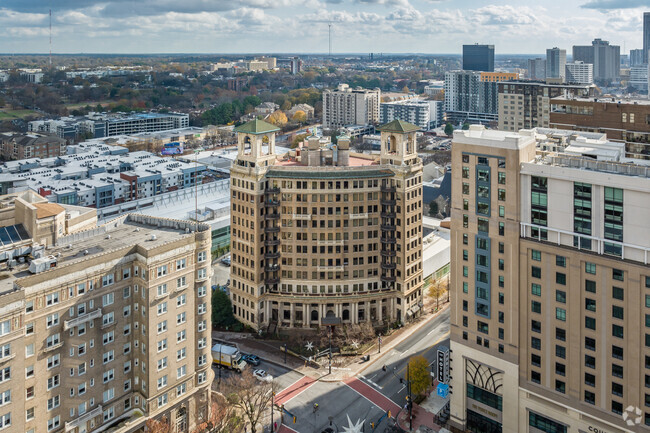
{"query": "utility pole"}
{"type": "Point", "coordinates": [410, 403]}
{"type": "Point", "coordinates": [50, 38]}
{"type": "Point", "coordinates": [272, 396]}
{"type": "Point", "coordinates": [220, 366]}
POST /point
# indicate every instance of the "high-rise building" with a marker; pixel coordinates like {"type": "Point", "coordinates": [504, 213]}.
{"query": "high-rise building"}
{"type": "Point", "coordinates": [326, 237]}
{"type": "Point", "coordinates": [606, 59]}
{"type": "Point", "coordinates": [623, 120]}
{"type": "Point", "coordinates": [346, 106]}
{"type": "Point", "coordinates": [107, 328]}
{"type": "Point", "coordinates": [526, 104]}
{"type": "Point", "coordinates": [296, 65]}
{"type": "Point", "coordinates": [639, 78]}
{"type": "Point", "coordinates": [537, 69]}
{"type": "Point", "coordinates": [556, 63]}
{"type": "Point", "coordinates": [478, 58]}
{"type": "Point", "coordinates": [549, 274]}
{"type": "Point", "coordinates": [646, 36]}
{"type": "Point", "coordinates": [470, 99]}
{"type": "Point", "coordinates": [636, 57]}
{"type": "Point", "coordinates": [423, 114]}
{"type": "Point", "coordinates": [579, 73]}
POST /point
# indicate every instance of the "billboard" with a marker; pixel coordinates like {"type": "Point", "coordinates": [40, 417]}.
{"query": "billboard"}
{"type": "Point", "coordinates": [174, 148]}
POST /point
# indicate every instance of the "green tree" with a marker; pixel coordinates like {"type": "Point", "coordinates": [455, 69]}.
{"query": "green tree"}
{"type": "Point", "coordinates": [418, 374]}
{"type": "Point", "coordinates": [449, 129]}
{"type": "Point", "coordinates": [465, 126]}
{"type": "Point", "coordinates": [222, 309]}
{"type": "Point", "coordinates": [433, 208]}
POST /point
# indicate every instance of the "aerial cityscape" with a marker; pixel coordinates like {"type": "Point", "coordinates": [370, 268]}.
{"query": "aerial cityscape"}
{"type": "Point", "coordinates": [339, 216]}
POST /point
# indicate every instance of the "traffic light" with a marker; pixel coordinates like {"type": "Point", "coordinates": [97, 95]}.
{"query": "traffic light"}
{"type": "Point", "coordinates": [383, 368]}
{"type": "Point", "coordinates": [401, 380]}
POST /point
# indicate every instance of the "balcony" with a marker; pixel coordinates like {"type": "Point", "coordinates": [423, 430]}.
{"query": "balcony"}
{"type": "Point", "coordinates": [387, 279]}
{"type": "Point", "coordinates": [53, 347]}
{"type": "Point", "coordinates": [272, 242]}
{"type": "Point", "coordinates": [331, 242]}
{"type": "Point", "coordinates": [387, 202]}
{"type": "Point", "coordinates": [358, 216]}
{"type": "Point", "coordinates": [388, 253]}
{"type": "Point", "coordinates": [389, 215]}
{"type": "Point", "coordinates": [272, 255]}
{"type": "Point", "coordinates": [273, 190]}
{"type": "Point", "coordinates": [82, 319]}
{"type": "Point", "coordinates": [272, 216]}
{"type": "Point", "coordinates": [271, 281]}
{"type": "Point", "coordinates": [388, 266]}
{"type": "Point", "coordinates": [272, 268]}
{"type": "Point", "coordinates": [274, 203]}
{"type": "Point", "coordinates": [330, 268]}
{"type": "Point", "coordinates": [387, 227]}
{"type": "Point", "coordinates": [385, 188]}
{"type": "Point", "coordinates": [301, 216]}
{"type": "Point", "coordinates": [83, 419]}
{"type": "Point", "coordinates": [272, 229]}
{"type": "Point", "coordinates": [388, 240]}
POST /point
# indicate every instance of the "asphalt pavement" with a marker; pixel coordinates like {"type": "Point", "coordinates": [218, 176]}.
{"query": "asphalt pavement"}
{"type": "Point", "coordinates": [359, 401]}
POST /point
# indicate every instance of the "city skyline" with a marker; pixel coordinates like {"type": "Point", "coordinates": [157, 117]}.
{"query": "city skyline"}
{"type": "Point", "coordinates": [359, 26]}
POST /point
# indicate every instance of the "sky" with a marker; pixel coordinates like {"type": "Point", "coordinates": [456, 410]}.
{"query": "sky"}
{"type": "Point", "coordinates": [301, 26]}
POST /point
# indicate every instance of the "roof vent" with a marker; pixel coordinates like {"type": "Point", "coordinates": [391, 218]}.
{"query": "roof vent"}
{"type": "Point", "coordinates": [153, 237]}
{"type": "Point", "coordinates": [85, 252]}
{"type": "Point", "coordinates": [108, 236]}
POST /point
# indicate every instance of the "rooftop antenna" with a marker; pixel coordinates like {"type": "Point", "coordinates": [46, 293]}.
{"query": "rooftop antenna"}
{"type": "Point", "coordinates": [329, 25]}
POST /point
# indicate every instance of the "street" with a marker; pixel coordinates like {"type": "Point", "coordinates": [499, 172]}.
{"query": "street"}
{"type": "Point", "coordinates": [367, 397]}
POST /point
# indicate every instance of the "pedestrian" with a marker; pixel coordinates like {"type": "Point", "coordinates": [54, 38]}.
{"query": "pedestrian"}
{"type": "Point", "coordinates": [275, 426]}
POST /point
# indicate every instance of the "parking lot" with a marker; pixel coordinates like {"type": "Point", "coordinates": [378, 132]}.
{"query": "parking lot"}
{"type": "Point", "coordinates": [221, 274]}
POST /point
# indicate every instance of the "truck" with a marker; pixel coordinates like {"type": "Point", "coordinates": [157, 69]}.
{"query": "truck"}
{"type": "Point", "coordinates": [228, 357]}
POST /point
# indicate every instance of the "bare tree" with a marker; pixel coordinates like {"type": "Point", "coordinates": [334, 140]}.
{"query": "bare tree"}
{"type": "Point", "coordinates": [157, 426]}
{"type": "Point", "coordinates": [223, 417]}
{"type": "Point", "coordinates": [250, 396]}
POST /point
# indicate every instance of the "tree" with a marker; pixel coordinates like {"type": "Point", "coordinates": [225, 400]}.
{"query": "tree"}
{"type": "Point", "coordinates": [418, 370]}
{"type": "Point", "coordinates": [436, 290]}
{"type": "Point", "coordinates": [297, 139]}
{"type": "Point", "coordinates": [299, 117]}
{"type": "Point", "coordinates": [223, 417]}
{"type": "Point", "coordinates": [286, 105]}
{"type": "Point", "coordinates": [250, 396]}
{"type": "Point", "coordinates": [405, 89]}
{"type": "Point", "coordinates": [278, 118]}
{"type": "Point", "coordinates": [465, 126]}
{"type": "Point", "coordinates": [157, 426]}
{"type": "Point", "coordinates": [449, 129]}
{"type": "Point", "coordinates": [221, 309]}
{"type": "Point", "coordinates": [433, 208]}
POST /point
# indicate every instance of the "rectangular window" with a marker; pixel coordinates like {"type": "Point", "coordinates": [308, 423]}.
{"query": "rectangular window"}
{"type": "Point", "coordinates": [560, 278]}
{"type": "Point", "coordinates": [536, 289]}
{"type": "Point", "coordinates": [618, 293]}
{"type": "Point", "coordinates": [617, 331]}
{"type": "Point", "coordinates": [560, 314]}
{"type": "Point", "coordinates": [536, 255]}
{"type": "Point", "coordinates": [590, 268]}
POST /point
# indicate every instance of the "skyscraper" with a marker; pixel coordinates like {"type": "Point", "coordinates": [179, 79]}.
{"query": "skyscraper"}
{"type": "Point", "coordinates": [478, 58]}
{"type": "Point", "coordinates": [549, 282]}
{"type": "Point", "coordinates": [345, 106]}
{"type": "Point", "coordinates": [537, 69]}
{"type": "Point", "coordinates": [636, 57]}
{"type": "Point", "coordinates": [646, 36]}
{"type": "Point", "coordinates": [556, 63]}
{"type": "Point", "coordinates": [606, 58]}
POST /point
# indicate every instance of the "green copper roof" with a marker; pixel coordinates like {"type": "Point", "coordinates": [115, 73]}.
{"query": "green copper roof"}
{"type": "Point", "coordinates": [333, 174]}
{"type": "Point", "coordinates": [256, 127]}
{"type": "Point", "coordinates": [399, 126]}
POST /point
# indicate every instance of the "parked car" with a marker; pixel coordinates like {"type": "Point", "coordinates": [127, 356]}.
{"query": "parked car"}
{"type": "Point", "coordinates": [262, 375]}
{"type": "Point", "coordinates": [252, 359]}
{"type": "Point", "coordinates": [226, 260]}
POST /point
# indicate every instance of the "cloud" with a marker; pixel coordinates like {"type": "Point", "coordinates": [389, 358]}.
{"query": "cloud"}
{"type": "Point", "coordinates": [615, 4]}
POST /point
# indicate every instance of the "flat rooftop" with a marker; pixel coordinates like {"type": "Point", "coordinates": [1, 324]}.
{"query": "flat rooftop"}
{"type": "Point", "coordinates": [605, 100]}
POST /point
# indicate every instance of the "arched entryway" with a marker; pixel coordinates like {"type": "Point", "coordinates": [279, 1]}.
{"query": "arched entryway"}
{"type": "Point", "coordinates": [346, 314]}
{"type": "Point", "coordinates": [314, 316]}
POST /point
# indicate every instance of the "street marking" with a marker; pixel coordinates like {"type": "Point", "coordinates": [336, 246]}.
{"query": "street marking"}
{"type": "Point", "coordinates": [371, 382]}
{"type": "Point", "coordinates": [402, 389]}
{"type": "Point", "coordinates": [283, 428]}
{"type": "Point", "coordinates": [358, 386]}
{"type": "Point", "coordinates": [297, 388]}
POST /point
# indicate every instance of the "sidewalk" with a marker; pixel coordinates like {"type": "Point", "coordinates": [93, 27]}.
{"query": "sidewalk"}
{"type": "Point", "coordinates": [270, 351]}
